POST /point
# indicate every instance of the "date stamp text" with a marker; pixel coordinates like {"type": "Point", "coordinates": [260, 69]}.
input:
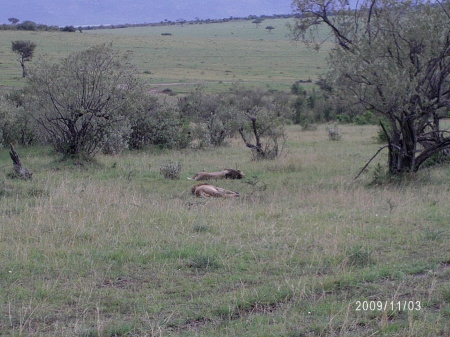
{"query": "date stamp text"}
{"type": "Point", "coordinates": [388, 305]}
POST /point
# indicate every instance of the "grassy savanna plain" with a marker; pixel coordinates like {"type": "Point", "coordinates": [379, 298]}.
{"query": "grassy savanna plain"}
{"type": "Point", "coordinates": [111, 248]}
{"type": "Point", "coordinates": [215, 55]}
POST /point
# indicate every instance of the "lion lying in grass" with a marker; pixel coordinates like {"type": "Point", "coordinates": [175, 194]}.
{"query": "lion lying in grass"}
{"type": "Point", "coordinates": [224, 174]}
{"type": "Point", "coordinates": [203, 190]}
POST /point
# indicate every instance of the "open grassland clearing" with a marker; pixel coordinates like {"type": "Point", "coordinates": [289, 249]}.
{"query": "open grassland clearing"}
{"type": "Point", "coordinates": [215, 55]}
{"type": "Point", "coordinates": [111, 248]}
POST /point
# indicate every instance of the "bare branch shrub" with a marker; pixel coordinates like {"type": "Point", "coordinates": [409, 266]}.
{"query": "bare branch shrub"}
{"type": "Point", "coordinates": [170, 169]}
{"type": "Point", "coordinates": [263, 133]}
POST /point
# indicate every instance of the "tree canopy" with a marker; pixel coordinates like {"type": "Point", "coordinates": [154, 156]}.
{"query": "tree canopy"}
{"type": "Point", "coordinates": [392, 58]}
{"type": "Point", "coordinates": [83, 99]}
{"type": "Point", "coordinates": [25, 49]}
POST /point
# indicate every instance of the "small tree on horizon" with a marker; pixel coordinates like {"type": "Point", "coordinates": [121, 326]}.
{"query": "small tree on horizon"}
{"type": "Point", "coordinates": [270, 28]}
{"type": "Point", "coordinates": [257, 22]}
{"type": "Point", "coordinates": [13, 20]}
{"type": "Point", "coordinates": [25, 49]}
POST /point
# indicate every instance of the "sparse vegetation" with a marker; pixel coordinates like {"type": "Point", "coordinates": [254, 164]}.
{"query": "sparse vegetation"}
{"type": "Point", "coordinates": [170, 169]}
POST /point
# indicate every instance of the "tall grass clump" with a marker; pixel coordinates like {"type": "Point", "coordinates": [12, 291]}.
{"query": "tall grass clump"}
{"type": "Point", "coordinates": [334, 133]}
{"type": "Point", "coordinates": [170, 169]}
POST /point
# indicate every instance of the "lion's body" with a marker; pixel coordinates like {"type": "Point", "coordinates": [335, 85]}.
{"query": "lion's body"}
{"type": "Point", "coordinates": [203, 190]}
{"type": "Point", "coordinates": [224, 174]}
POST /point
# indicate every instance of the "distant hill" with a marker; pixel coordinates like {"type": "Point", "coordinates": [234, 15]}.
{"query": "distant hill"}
{"type": "Point", "coordinates": [107, 12]}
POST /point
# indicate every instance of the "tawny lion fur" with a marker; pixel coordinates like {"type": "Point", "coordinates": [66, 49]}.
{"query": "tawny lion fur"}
{"type": "Point", "coordinates": [224, 174]}
{"type": "Point", "coordinates": [203, 190]}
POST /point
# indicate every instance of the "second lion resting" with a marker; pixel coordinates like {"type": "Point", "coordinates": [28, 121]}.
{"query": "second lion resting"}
{"type": "Point", "coordinates": [207, 190]}
{"type": "Point", "coordinates": [224, 174]}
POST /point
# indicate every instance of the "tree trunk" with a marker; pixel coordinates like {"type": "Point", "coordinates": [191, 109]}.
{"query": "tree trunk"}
{"type": "Point", "coordinates": [24, 69]}
{"type": "Point", "coordinates": [20, 171]}
{"type": "Point", "coordinates": [258, 147]}
{"type": "Point", "coordinates": [404, 155]}
{"type": "Point", "coordinates": [402, 146]}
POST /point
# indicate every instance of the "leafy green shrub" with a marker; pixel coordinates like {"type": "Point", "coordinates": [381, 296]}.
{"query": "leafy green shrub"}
{"type": "Point", "coordinates": [15, 123]}
{"type": "Point", "coordinates": [200, 135]}
{"type": "Point", "coordinates": [221, 125]}
{"type": "Point", "coordinates": [162, 125]}
{"type": "Point", "coordinates": [213, 114]}
{"type": "Point", "coordinates": [343, 118]}
{"type": "Point", "coordinates": [366, 118]}
{"type": "Point", "coordinates": [85, 96]}
{"type": "Point", "coordinates": [115, 142]}
{"type": "Point", "coordinates": [311, 107]}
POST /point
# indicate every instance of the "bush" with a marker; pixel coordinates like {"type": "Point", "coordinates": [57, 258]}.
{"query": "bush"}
{"type": "Point", "coordinates": [212, 115]}
{"type": "Point", "coordinates": [170, 170]}
{"type": "Point", "coordinates": [218, 117]}
{"type": "Point", "coordinates": [15, 124]}
{"type": "Point", "coordinates": [27, 25]}
{"type": "Point", "coordinates": [70, 29]}
{"type": "Point", "coordinates": [311, 107]}
{"type": "Point", "coordinates": [116, 141]}
{"type": "Point", "coordinates": [162, 125]}
{"type": "Point", "coordinates": [263, 133]}
{"type": "Point", "coordinates": [343, 118]}
{"type": "Point", "coordinates": [366, 118]}
{"type": "Point", "coordinates": [223, 124]}
{"type": "Point", "coordinates": [334, 133]}
{"type": "Point", "coordinates": [77, 103]}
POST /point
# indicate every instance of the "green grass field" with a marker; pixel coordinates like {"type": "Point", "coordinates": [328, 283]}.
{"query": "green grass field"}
{"type": "Point", "coordinates": [214, 55]}
{"type": "Point", "coordinates": [112, 248]}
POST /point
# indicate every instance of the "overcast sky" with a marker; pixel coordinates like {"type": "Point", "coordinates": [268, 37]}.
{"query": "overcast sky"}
{"type": "Point", "coordinates": [96, 12]}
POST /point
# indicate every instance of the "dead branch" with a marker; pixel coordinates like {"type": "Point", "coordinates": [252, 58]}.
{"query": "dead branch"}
{"type": "Point", "coordinates": [20, 171]}
{"type": "Point", "coordinates": [365, 166]}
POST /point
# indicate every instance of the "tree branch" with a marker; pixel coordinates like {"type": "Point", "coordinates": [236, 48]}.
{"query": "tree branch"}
{"type": "Point", "coordinates": [365, 166]}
